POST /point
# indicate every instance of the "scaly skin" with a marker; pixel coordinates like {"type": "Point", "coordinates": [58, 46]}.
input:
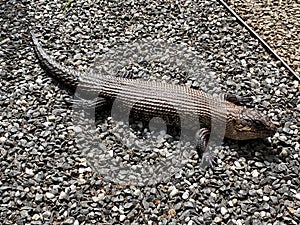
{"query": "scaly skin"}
{"type": "Point", "coordinates": [161, 99]}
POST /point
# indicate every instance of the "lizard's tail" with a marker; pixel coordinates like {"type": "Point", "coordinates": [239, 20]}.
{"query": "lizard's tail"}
{"type": "Point", "coordinates": [67, 77]}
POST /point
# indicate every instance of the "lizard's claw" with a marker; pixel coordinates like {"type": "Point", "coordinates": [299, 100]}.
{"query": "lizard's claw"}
{"type": "Point", "coordinates": [208, 160]}
{"type": "Point", "coordinates": [87, 104]}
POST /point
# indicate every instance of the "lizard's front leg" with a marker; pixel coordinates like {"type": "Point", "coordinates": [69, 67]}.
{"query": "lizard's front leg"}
{"type": "Point", "coordinates": [207, 155]}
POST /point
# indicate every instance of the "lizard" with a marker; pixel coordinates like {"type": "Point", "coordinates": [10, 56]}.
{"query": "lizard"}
{"type": "Point", "coordinates": [165, 100]}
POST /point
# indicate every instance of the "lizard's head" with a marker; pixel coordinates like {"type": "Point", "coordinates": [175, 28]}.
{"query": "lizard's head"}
{"type": "Point", "coordinates": [250, 124]}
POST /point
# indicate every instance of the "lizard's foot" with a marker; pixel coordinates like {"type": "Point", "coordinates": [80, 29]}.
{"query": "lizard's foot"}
{"type": "Point", "coordinates": [125, 74]}
{"type": "Point", "coordinates": [88, 104]}
{"type": "Point", "coordinates": [236, 99]}
{"type": "Point", "coordinates": [208, 160]}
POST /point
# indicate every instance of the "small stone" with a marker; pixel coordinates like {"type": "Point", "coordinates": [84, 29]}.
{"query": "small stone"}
{"type": "Point", "coordinates": [178, 175]}
{"type": "Point", "coordinates": [244, 63]}
{"type": "Point", "coordinates": [230, 83]}
{"type": "Point", "coordinates": [2, 139]}
{"type": "Point", "coordinates": [269, 80]}
{"type": "Point", "coordinates": [137, 192]}
{"type": "Point", "coordinates": [145, 204]}
{"type": "Point", "coordinates": [195, 84]}
{"type": "Point", "coordinates": [95, 198]}
{"type": "Point", "coordinates": [38, 197]}
{"type": "Point", "coordinates": [77, 56]}
{"type": "Point", "coordinates": [284, 153]}
{"type": "Point", "coordinates": [266, 198]}
{"type": "Point", "coordinates": [69, 221]}
{"type": "Point", "coordinates": [81, 170]}
{"type": "Point", "coordinates": [35, 216]}
{"type": "Point", "coordinates": [252, 192]}
{"type": "Point", "coordinates": [282, 138]}
{"type": "Point", "coordinates": [173, 192]}
{"type": "Point", "coordinates": [63, 195]}
{"type": "Point", "coordinates": [101, 196]}
{"type": "Point", "coordinates": [277, 92]}
{"type": "Point", "coordinates": [237, 164]}
{"type": "Point", "coordinates": [185, 195]}
{"type": "Point", "coordinates": [189, 204]}
{"type": "Point", "coordinates": [51, 118]}
{"type": "Point", "coordinates": [223, 211]}
{"type": "Point", "coordinates": [205, 36]}
{"type": "Point", "coordinates": [126, 157]}
{"type": "Point", "coordinates": [49, 195]}
{"type": "Point", "coordinates": [296, 83]}
{"type": "Point", "coordinates": [39, 81]}
{"type": "Point", "coordinates": [172, 212]}
{"type": "Point", "coordinates": [205, 209]}
{"type": "Point", "coordinates": [274, 199]}
{"type": "Point", "coordinates": [292, 210]}
{"type": "Point", "coordinates": [128, 205]}
{"type": "Point", "coordinates": [72, 187]}
{"type": "Point", "coordinates": [260, 192]}
{"type": "Point", "coordinates": [17, 194]}
{"type": "Point", "coordinates": [286, 130]}
{"type": "Point", "coordinates": [191, 222]}
{"type": "Point", "coordinates": [259, 164]}
{"type": "Point", "coordinates": [262, 214]}
{"type": "Point", "coordinates": [218, 220]}
{"type": "Point", "coordinates": [122, 218]}
{"type": "Point", "coordinates": [189, 83]}
{"type": "Point", "coordinates": [115, 209]}
{"type": "Point", "coordinates": [232, 202]}
{"type": "Point", "coordinates": [255, 173]}
{"type": "Point", "coordinates": [202, 180]}
{"type": "Point", "coordinates": [29, 171]}
{"type": "Point", "coordinates": [297, 196]}
{"type": "Point", "coordinates": [46, 214]}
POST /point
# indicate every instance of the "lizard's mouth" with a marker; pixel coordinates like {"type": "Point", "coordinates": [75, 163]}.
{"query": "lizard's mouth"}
{"type": "Point", "coordinates": [249, 133]}
{"type": "Point", "coordinates": [268, 131]}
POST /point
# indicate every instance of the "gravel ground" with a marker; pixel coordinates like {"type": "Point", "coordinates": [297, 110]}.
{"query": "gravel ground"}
{"type": "Point", "coordinates": [277, 22]}
{"type": "Point", "coordinates": [45, 178]}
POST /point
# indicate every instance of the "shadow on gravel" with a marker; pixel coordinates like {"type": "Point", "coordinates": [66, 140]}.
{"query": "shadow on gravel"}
{"type": "Point", "coordinates": [254, 149]}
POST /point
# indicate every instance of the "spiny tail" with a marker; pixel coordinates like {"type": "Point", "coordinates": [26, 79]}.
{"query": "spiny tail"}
{"type": "Point", "coordinates": [67, 77]}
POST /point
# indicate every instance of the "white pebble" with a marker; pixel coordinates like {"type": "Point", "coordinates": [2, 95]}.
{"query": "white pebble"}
{"type": "Point", "coordinates": [49, 195]}
{"type": "Point", "coordinates": [29, 172]}
{"type": "Point", "coordinates": [122, 218]}
{"type": "Point", "coordinates": [255, 173]}
{"type": "Point", "coordinates": [266, 198]}
{"type": "Point", "coordinates": [35, 217]}
{"type": "Point", "coordinates": [268, 80]}
{"type": "Point", "coordinates": [223, 210]}
{"type": "Point", "coordinates": [205, 209]}
{"type": "Point", "coordinates": [297, 196]}
{"type": "Point", "coordinates": [2, 139]}
{"type": "Point", "coordinates": [174, 192]}
{"type": "Point", "coordinates": [185, 195]}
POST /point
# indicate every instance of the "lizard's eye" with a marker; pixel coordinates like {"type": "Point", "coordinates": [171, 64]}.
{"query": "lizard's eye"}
{"type": "Point", "coordinates": [258, 123]}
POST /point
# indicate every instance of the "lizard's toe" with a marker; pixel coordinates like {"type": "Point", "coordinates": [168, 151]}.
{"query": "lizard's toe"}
{"type": "Point", "coordinates": [208, 160]}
